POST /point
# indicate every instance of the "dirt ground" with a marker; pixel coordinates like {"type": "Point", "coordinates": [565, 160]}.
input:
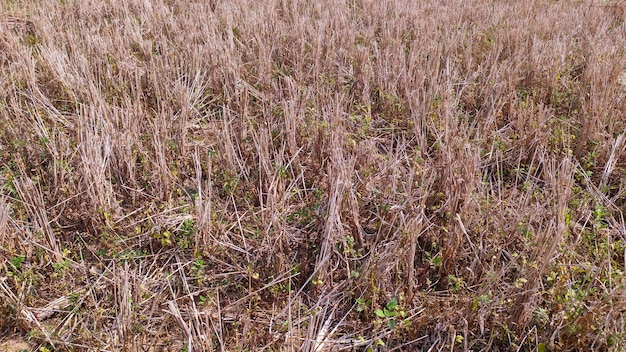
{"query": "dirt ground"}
{"type": "Point", "coordinates": [15, 345]}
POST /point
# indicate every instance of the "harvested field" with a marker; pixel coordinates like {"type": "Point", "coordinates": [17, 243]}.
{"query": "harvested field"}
{"type": "Point", "coordinates": [294, 175]}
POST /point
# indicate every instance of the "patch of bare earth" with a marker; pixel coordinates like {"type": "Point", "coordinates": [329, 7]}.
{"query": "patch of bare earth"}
{"type": "Point", "coordinates": [15, 345]}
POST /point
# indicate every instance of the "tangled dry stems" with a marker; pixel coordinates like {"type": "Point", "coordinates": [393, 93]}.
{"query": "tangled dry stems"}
{"type": "Point", "coordinates": [317, 176]}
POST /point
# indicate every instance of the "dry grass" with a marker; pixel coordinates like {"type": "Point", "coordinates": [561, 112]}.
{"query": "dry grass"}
{"type": "Point", "coordinates": [313, 175]}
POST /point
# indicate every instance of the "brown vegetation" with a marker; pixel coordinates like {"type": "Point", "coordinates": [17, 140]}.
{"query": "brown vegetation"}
{"type": "Point", "coordinates": [313, 175]}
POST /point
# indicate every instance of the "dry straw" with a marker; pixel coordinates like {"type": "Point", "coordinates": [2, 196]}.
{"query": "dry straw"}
{"type": "Point", "coordinates": [312, 175]}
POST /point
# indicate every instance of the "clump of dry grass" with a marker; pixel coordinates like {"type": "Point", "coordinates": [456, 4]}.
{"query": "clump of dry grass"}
{"type": "Point", "coordinates": [294, 175]}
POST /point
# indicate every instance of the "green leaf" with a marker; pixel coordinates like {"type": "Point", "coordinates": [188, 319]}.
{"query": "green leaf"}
{"type": "Point", "coordinates": [18, 260]}
{"type": "Point", "coordinates": [360, 305]}
{"type": "Point", "coordinates": [436, 261]}
{"type": "Point", "coordinates": [392, 304]}
{"type": "Point", "coordinates": [380, 313]}
{"type": "Point", "coordinates": [389, 313]}
{"type": "Point", "coordinates": [542, 347]}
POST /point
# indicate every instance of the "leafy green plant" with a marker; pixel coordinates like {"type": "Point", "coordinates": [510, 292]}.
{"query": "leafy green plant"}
{"type": "Point", "coordinates": [197, 267]}
{"type": "Point", "coordinates": [390, 311]}
{"type": "Point", "coordinates": [348, 244]}
{"type": "Point", "coordinates": [17, 261]}
{"type": "Point", "coordinates": [362, 305]}
{"type": "Point", "coordinates": [184, 234]}
{"type": "Point", "coordinates": [456, 284]}
{"type": "Point", "coordinates": [229, 180]}
{"type": "Point", "coordinates": [165, 238]}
